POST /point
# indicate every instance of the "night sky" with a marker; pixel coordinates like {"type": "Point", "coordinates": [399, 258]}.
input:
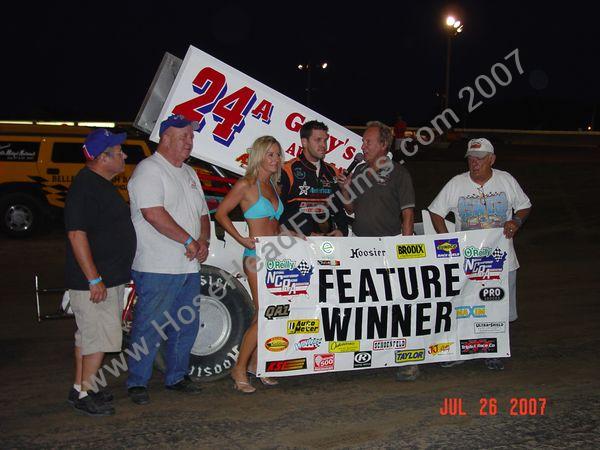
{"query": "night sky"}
{"type": "Point", "coordinates": [96, 61]}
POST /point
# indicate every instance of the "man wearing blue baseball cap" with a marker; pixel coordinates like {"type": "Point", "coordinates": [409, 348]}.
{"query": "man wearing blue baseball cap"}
{"type": "Point", "coordinates": [100, 249]}
{"type": "Point", "coordinates": [172, 224]}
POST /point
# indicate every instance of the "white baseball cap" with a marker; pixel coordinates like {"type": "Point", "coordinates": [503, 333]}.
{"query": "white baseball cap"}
{"type": "Point", "coordinates": [479, 148]}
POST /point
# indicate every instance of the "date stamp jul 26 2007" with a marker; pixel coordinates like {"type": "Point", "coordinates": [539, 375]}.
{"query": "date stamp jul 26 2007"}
{"type": "Point", "coordinates": [489, 406]}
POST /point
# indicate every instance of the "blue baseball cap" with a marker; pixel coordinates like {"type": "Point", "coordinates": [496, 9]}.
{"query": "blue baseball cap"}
{"type": "Point", "coordinates": [99, 140]}
{"type": "Point", "coordinates": [177, 121]}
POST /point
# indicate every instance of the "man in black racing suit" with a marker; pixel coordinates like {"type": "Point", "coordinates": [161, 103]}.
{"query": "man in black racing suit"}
{"type": "Point", "coordinates": [309, 188]}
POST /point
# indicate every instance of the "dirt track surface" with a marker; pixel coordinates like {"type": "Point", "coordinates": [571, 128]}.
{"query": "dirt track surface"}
{"type": "Point", "coordinates": [554, 343]}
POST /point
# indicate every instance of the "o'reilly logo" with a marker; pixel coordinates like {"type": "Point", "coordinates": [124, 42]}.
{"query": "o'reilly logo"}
{"type": "Point", "coordinates": [404, 251]}
{"type": "Point", "coordinates": [362, 252]}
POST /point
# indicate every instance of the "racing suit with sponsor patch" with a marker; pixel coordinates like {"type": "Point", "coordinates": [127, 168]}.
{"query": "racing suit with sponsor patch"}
{"type": "Point", "coordinates": [306, 196]}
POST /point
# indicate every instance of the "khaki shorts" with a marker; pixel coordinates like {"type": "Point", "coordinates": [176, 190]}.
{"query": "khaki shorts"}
{"type": "Point", "coordinates": [98, 324]}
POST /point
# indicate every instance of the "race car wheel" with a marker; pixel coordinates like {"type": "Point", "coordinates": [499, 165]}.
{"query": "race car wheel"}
{"type": "Point", "coordinates": [20, 215]}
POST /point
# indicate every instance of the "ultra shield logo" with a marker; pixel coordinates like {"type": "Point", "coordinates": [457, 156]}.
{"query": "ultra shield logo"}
{"type": "Point", "coordinates": [489, 327]}
{"type": "Point", "coordinates": [405, 251]}
{"type": "Point", "coordinates": [446, 248]}
{"type": "Point", "coordinates": [286, 277]}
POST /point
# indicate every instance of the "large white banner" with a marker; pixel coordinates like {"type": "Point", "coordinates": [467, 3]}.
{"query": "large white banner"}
{"type": "Point", "coordinates": [233, 110]}
{"type": "Point", "coordinates": [331, 304]}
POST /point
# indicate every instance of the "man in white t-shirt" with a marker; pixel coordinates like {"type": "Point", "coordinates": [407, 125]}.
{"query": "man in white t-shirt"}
{"type": "Point", "coordinates": [484, 198]}
{"type": "Point", "coordinates": [171, 221]}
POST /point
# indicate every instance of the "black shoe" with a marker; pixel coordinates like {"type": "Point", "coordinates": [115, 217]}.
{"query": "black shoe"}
{"type": "Point", "coordinates": [138, 395]}
{"type": "Point", "coordinates": [73, 396]}
{"type": "Point", "coordinates": [105, 395]}
{"type": "Point", "coordinates": [186, 385]}
{"type": "Point", "coordinates": [93, 407]}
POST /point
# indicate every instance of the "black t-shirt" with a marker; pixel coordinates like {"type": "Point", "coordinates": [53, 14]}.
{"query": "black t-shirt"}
{"type": "Point", "coordinates": [95, 206]}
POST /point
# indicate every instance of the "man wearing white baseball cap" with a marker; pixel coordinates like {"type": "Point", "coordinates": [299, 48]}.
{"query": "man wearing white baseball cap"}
{"type": "Point", "coordinates": [484, 198]}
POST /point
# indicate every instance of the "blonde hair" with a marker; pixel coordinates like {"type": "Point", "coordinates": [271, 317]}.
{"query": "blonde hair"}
{"type": "Point", "coordinates": [258, 151]}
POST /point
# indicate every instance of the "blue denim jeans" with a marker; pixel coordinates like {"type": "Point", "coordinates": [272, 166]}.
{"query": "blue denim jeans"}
{"type": "Point", "coordinates": [164, 310]}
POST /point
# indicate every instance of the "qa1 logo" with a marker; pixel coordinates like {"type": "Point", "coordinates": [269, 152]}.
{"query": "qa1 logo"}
{"type": "Point", "coordinates": [286, 277]}
{"type": "Point", "coordinates": [277, 311]}
{"type": "Point", "coordinates": [362, 359]}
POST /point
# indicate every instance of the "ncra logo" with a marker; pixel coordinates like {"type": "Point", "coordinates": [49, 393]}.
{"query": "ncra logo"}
{"type": "Point", "coordinates": [286, 277]}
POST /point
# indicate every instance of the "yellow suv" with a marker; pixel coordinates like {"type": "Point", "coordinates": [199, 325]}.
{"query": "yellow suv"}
{"type": "Point", "coordinates": [37, 165]}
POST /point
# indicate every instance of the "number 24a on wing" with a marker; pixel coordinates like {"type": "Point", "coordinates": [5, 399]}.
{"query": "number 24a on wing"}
{"type": "Point", "coordinates": [229, 111]}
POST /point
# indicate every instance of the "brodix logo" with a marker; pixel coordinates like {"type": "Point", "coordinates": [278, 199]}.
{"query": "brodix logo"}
{"type": "Point", "coordinates": [404, 251]}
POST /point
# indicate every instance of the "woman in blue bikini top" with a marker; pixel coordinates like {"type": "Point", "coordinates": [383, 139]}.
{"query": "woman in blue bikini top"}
{"type": "Point", "coordinates": [256, 194]}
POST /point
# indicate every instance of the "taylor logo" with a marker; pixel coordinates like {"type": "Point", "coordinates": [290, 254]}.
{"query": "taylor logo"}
{"type": "Point", "coordinates": [483, 263]}
{"type": "Point", "coordinates": [286, 277]}
{"type": "Point", "coordinates": [403, 356]}
{"type": "Point", "coordinates": [404, 251]}
{"type": "Point", "coordinates": [446, 248]}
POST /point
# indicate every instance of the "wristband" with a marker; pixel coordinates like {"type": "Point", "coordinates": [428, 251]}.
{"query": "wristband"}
{"type": "Point", "coordinates": [95, 281]}
{"type": "Point", "coordinates": [188, 241]}
{"type": "Point", "coordinates": [518, 220]}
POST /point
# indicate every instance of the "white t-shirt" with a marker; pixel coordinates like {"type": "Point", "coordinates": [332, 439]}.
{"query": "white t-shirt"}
{"type": "Point", "coordinates": [478, 207]}
{"type": "Point", "coordinates": [156, 182]}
